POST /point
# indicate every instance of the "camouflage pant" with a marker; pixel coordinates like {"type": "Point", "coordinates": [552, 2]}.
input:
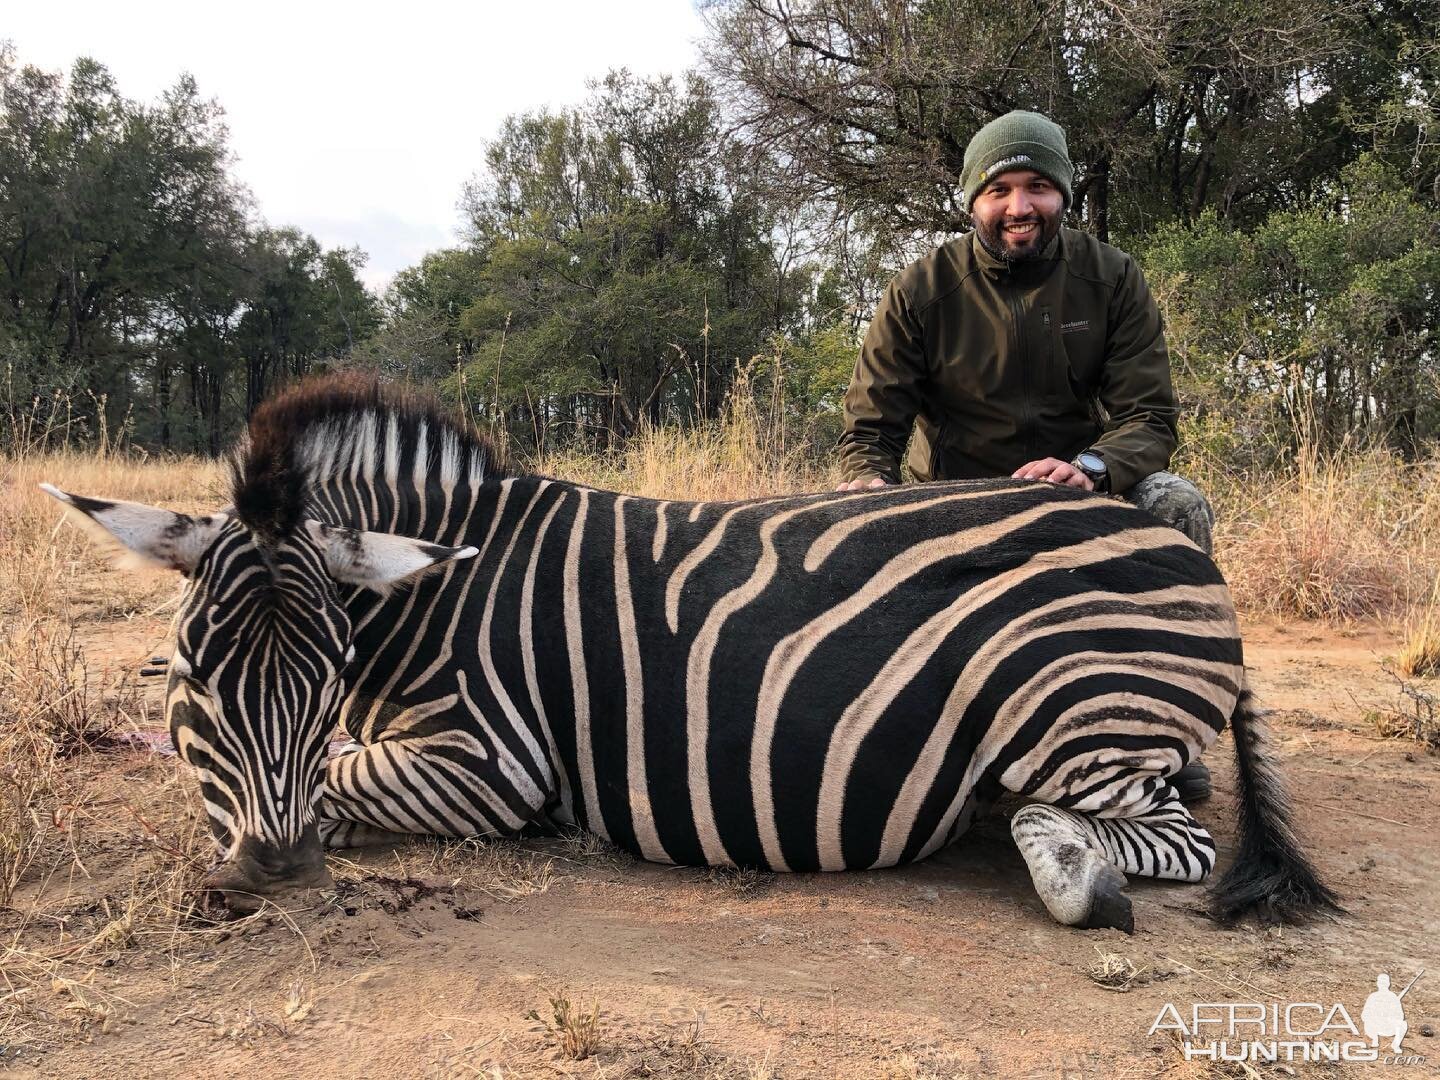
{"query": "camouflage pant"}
{"type": "Point", "coordinates": [1176, 502]}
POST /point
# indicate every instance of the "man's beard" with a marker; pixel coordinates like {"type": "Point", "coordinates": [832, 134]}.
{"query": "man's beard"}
{"type": "Point", "coordinates": [993, 238]}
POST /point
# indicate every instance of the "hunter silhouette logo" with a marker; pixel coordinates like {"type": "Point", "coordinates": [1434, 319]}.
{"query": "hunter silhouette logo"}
{"type": "Point", "coordinates": [1293, 1031]}
{"type": "Point", "coordinates": [1383, 1016]}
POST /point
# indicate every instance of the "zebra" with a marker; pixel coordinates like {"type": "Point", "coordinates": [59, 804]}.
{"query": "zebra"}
{"type": "Point", "coordinates": [810, 682]}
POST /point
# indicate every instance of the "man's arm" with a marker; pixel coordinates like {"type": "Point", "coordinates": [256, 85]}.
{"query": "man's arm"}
{"type": "Point", "coordinates": [1135, 388]}
{"type": "Point", "coordinates": [884, 394]}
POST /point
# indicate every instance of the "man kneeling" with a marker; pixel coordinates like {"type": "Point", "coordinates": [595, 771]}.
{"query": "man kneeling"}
{"type": "Point", "coordinates": [1023, 349]}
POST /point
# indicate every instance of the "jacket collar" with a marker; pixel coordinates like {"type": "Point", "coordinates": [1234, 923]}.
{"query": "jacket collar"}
{"type": "Point", "coordinates": [1031, 272]}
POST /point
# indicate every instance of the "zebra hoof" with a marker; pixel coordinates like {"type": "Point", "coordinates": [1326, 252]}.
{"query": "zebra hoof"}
{"type": "Point", "coordinates": [1192, 783]}
{"type": "Point", "coordinates": [1110, 908]}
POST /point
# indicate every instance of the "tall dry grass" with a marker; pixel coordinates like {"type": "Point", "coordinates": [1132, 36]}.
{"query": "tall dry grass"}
{"type": "Point", "coordinates": [52, 568]}
{"type": "Point", "coordinates": [1353, 534]}
{"type": "Point", "coordinates": [63, 695]}
{"type": "Point", "coordinates": [752, 450]}
{"type": "Point", "coordinates": [57, 699]}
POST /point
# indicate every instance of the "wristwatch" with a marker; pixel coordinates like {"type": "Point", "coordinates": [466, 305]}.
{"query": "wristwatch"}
{"type": "Point", "coordinates": [1093, 466]}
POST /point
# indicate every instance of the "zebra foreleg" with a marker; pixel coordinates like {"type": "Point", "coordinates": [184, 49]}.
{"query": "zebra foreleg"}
{"type": "Point", "coordinates": [1076, 860]}
{"type": "Point", "coordinates": [355, 834]}
{"type": "Point", "coordinates": [407, 786]}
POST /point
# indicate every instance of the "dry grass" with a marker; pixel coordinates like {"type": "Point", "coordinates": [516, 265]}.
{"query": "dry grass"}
{"type": "Point", "coordinates": [496, 868]}
{"type": "Point", "coordinates": [1419, 654]}
{"type": "Point", "coordinates": [51, 567]}
{"type": "Point", "coordinates": [574, 1030]}
{"type": "Point", "coordinates": [746, 454]}
{"type": "Point", "coordinates": [1351, 535]}
{"type": "Point", "coordinates": [58, 956]}
{"type": "Point", "coordinates": [62, 925]}
{"type": "Point", "coordinates": [741, 882]}
{"type": "Point", "coordinates": [910, 1067]}
{"type": "Point", "coordinates": [1116, 972]}
{"type": "Point", "coordinates": [1415, 713]}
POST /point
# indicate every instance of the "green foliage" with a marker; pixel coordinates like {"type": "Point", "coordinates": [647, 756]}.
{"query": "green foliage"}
{"type": "Point", "coordinates": [1328, 313]}
{"type": "Point", "coordinates": [1273, 163]}
{"type": "Point", "coordinates": [620, 263]}
{"type": "Point", "coordinates": [805, 375]}
{"type": "Point", "coordinates": [130, 277]}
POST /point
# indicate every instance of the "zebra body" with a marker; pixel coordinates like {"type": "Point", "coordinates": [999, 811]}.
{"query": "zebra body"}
{"type": "Point", "coordinates": [772, 683]}
{"type": "Point", "coordinates": [815, 682]}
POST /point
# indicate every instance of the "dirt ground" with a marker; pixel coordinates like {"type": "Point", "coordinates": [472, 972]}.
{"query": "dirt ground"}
{"type": "Point", "coordinates": [443, 961]}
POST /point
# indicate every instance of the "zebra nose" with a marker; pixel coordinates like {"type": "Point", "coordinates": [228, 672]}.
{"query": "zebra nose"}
{"type": "Point", "coordinates": [258, 870]}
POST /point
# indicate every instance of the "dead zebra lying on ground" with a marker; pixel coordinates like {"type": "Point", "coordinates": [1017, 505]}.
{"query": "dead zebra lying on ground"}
{"type": "Point", "coordinates": [817, 682]}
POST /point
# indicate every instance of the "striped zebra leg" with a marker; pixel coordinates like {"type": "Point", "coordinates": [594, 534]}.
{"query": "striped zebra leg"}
{"type": "Point", "coordinates": [1076, 859]}
{"type": "Point", "coordinates": [416, 785]}
{"type": "Point", "coordinates": [335, 833]}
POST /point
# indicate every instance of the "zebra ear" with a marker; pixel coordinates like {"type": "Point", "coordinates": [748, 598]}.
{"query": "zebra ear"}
{"type": "Point", "coordinates": [159, 537]}
{"type": "Point", "coordinates": [378, 560]}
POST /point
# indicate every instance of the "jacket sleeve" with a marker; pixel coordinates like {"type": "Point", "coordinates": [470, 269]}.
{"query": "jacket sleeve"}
{"type": "Point", "coordinates": [1135, 390]}
{"type": "Point", "coordinates": [885, 391]}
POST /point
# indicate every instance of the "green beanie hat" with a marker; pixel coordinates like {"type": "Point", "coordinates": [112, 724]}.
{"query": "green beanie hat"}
{"type": "Point", "coordinates": [1017, 140]}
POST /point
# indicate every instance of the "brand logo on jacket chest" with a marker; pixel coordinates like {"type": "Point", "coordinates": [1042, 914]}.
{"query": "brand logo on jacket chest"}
{"type": "Point", "coordinates": [1075, 327]}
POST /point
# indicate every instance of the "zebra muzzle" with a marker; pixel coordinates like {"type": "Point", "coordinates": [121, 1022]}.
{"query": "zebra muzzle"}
{"type": "Point", "coordinates": [258, 871]}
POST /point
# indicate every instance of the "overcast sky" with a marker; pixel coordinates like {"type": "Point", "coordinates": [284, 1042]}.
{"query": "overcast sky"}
{"type": "Point", "coordinates": [360, 122]}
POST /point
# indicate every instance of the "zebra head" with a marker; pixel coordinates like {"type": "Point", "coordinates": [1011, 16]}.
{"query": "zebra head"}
{"type": "Point", "coordinates": [258, 672]}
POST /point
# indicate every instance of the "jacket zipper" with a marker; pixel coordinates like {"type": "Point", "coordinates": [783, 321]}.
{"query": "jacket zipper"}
{"type": "Point", "coordinates": [1027, 419]}
{"type": "Point", "coordinates": [1050, 356]}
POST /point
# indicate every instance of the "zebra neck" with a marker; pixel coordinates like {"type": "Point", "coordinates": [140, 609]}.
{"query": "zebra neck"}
{"type": "Point", "coordinates": [474, 645]}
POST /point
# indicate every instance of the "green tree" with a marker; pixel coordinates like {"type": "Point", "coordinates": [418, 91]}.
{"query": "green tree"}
{"type": "Point", "coordinates": [1330, 312]}
{"type": "Point", "coordinates": [305, 309]}
{"type": "Point", "coordinates": [623, 256]}
{"type": "Point", "coordinates": [1171, 106]}
{"type": "Point", "coordinates": [130, 272]}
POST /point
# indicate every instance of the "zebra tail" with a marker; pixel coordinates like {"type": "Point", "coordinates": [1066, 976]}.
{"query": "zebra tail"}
{"type": "Point", "coordinates": [1270, 876]}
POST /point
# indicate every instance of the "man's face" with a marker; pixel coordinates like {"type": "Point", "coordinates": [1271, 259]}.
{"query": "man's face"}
{"type": "Point", "coordinates": [1017, 214]}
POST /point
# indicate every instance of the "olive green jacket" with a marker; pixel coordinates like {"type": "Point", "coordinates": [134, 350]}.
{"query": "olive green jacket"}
{"type": "Point", "coordinates": [996, 366]}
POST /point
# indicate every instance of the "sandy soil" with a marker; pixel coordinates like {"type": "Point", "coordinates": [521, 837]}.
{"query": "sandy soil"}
{"type": "Point", "coordinates": [438, 961]}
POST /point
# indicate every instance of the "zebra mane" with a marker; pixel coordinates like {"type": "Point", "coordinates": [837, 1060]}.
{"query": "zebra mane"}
{"type": "Point", "coordinates": [329, 424]}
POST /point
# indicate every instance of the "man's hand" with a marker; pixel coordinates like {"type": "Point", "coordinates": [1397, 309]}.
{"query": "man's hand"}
{"type": "Point", "coordinates": [1054, 471]}
{"type": "Point", "coordinates": [863, 483]}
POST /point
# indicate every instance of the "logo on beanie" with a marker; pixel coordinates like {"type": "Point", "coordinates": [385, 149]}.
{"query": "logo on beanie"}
{"type": "Point", "coordinates": [1004, 163]}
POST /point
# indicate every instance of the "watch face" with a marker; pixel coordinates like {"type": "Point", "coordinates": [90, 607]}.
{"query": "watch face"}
{"type": "Point", "coordinates": [1090, 462]}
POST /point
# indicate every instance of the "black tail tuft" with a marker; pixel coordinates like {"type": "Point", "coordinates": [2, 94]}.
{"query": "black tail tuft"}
{"type": "Point", "coordinates": [1269, 877]}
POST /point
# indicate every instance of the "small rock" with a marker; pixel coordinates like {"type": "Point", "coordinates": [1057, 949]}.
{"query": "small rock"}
{"type": "Point", "coordinates": [929, 893]}
{"type": "Point", "coordinates": [1428, 1030]}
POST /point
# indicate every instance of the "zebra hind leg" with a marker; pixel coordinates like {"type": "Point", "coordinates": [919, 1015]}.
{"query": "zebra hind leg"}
{"type": "Point", "coordinates": [1076, 860]}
